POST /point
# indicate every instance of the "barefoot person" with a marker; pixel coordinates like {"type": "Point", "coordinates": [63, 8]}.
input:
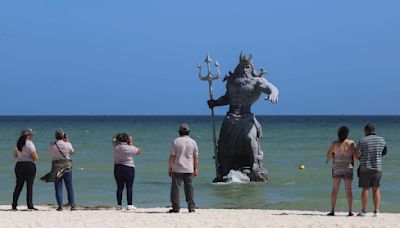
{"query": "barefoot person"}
{"type": "Point", "coordinates": [124, 167]}
{"type": "Point", "coordinates": [182, 166]}
{"type": "Point", "coordinates": [371, 149]}
{"type": "Point", "coordinates": [342, 152]}
{"type": "Point", "coordinates": [25, 168]}
{"type": "Point", "coordinates": [60, 152]}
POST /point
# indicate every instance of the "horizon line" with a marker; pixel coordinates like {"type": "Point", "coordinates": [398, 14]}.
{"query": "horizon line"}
{"type": "Point", "coordinates": [193, 115]}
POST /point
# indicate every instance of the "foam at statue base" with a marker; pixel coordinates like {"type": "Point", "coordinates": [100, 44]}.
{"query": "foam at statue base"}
{"type": "Point", "coordinates": [236, 176]}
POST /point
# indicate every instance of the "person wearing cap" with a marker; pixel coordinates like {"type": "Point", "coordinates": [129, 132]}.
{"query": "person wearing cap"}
{"type": "Point", "coordinates": [182, 166]}
{"type": "Point", "coordinates": [370, 149]}
{"type": "Point", "coordinates": [124, 167]}
{"type": "Point", "coordinates": [25, 169]}
{"type": "Point", "coordinates": [60, 152]}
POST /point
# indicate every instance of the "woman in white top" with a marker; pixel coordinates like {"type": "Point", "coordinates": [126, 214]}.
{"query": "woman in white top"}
{"type": "Point", "coordinates": [25, 168]}
{"type": "Point", "coordinates": [60, 152]}
{"type": "Point", "coordinates": [124, 167]}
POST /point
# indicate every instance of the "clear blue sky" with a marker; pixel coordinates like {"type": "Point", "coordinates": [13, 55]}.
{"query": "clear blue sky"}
{"type": "Point", "coordinates": [140, 57]}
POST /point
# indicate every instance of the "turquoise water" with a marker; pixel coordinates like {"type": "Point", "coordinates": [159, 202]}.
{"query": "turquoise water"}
{"type": "Point", "coordinates": [288, 141]}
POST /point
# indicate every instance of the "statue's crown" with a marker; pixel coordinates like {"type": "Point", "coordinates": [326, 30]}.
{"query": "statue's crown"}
{"type": "Point", "coordinates": [244, 60]}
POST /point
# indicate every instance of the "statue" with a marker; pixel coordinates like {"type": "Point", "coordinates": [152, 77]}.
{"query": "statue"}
{"type": "Point", "coordinates": [239, 139]}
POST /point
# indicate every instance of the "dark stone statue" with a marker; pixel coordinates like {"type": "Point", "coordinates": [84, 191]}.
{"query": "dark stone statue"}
{"type": "Point", "coordinates": [240, 135]}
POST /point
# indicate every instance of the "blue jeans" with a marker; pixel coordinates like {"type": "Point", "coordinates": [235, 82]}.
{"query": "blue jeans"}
{"type": "Point", "coordinates": [124, 176]}
{"type": "Point", "coordinates": [67, 177]}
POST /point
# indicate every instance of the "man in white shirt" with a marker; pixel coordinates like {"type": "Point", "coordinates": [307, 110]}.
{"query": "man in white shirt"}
{"type": "Point", "coordinates": [182, 166]}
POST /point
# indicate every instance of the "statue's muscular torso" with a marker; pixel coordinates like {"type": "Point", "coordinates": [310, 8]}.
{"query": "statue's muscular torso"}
{"type": "Point", "coordinates": [243, 91]}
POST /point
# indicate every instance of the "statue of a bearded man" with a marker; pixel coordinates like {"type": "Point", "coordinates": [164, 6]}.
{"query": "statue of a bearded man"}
{"type": "Point", "coordinates": [240, 135]}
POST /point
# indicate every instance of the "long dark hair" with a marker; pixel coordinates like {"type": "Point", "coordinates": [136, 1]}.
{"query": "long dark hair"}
{"type": "Point", "coordinates": [343, 132]}
{"type": "Point", "coordinates": [21, 142]}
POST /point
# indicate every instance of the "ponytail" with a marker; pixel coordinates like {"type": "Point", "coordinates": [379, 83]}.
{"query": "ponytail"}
{"type": "Point", "coordinates": [343, 132]}
{"type": "Point", "coordinates": [21, 142]}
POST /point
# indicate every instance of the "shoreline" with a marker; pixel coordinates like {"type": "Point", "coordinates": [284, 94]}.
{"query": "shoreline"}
{"type": "Point", "coordinates": [103, 216]}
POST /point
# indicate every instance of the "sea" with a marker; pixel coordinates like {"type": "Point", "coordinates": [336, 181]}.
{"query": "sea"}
{"type": "Point", "coordinates": [288, 142]}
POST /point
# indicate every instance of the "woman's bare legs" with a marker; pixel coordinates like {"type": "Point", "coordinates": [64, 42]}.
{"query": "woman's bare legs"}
{"type": "Point", "coordinates": [349, 194]}
{"type": "Point", "coordinates": [335, 190]}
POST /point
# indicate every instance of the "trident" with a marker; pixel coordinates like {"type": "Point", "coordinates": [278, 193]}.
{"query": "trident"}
{"type": "Point", "coordinates": [210, 77]}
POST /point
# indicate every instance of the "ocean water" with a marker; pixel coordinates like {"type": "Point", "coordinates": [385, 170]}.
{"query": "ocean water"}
{"type": "Point", "coordinates": [288, 141]}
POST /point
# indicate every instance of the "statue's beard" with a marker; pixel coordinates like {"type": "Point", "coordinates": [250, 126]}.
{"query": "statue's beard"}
{"type": "Point", "coordinates": [242, 81]}
{"type": "Point", "coordinates": [245, 74]}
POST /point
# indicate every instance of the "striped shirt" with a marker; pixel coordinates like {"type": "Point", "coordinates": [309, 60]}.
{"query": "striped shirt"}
{"type": "Point", "coordinates": [371, 148]}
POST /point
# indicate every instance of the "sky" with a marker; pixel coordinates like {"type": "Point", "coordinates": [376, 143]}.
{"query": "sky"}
{"type": "Point", "coordinates": [140, 57]}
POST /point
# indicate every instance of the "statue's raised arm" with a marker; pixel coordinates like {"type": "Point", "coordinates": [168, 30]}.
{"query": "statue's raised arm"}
{"type": "Point", "coordinates": [269, 89]}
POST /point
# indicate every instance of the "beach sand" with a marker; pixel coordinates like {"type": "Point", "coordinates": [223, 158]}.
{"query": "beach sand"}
{"type": "Point", "coordinates": [47, 216]}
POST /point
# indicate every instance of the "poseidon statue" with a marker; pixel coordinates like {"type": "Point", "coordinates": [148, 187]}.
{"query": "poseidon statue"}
{"type": "Point", "coordinates": [240, 135]}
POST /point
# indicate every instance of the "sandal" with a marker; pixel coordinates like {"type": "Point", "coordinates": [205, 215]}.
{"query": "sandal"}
{"type": "Point", "coordinates": [331, 213]}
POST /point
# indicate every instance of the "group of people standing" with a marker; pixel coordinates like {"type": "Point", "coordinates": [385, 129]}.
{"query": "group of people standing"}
{"type": "Point", "coordinates": [369, 152]}
{"type": "Point", "coordinates": [61, 170]}
{"type": "Point", "coordinates": [182, 167]}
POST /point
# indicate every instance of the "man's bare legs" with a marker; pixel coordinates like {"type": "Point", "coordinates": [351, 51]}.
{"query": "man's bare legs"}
{"type": "Point", "coordinates": [376, 193]}
{"type": "Point", "coordinates": [364, 200]}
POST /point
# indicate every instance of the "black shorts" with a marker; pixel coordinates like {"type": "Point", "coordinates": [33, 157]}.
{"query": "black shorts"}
{"type": "Point", "coordinates": [370, 179]}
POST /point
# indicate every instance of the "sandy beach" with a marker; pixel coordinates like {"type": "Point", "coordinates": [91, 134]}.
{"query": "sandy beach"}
{"type": "Point", "coordinates": [157, 217]}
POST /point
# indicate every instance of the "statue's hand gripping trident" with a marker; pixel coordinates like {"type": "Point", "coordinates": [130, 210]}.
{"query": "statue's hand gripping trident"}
{"type": "Point", "coordinates": [210, 77]}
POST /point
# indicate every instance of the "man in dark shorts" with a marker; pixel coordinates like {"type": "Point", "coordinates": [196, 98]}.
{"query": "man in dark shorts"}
{"type": "Point", "coordinates": [371, 148]}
